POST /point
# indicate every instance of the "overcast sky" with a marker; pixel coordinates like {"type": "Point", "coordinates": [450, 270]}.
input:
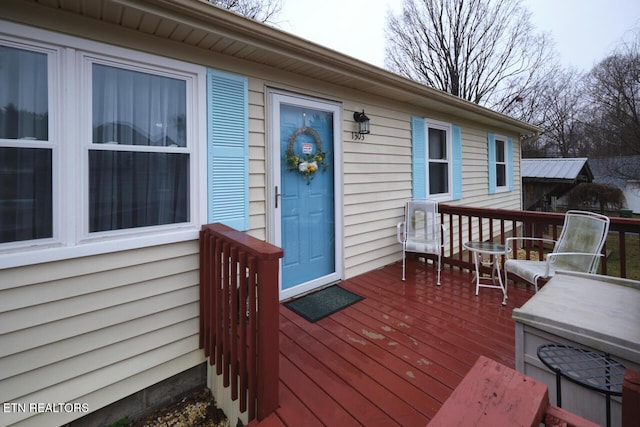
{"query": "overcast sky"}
{"type": "Point", "coordinates": [584, 31]}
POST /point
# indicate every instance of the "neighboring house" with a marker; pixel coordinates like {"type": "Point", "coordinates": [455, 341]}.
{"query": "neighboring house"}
{"type": "Point", "coordinates": [620, 171]}
{"type": "Point", "coordinates": [126, 126]}
{"type": "Point", "coordinates": [544, 181]}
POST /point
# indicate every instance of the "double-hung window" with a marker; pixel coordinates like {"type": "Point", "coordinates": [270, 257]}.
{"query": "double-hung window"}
{"type": "Point", "coordinates": [436, 163]}
{"type": "Point", "coordinates": [501, 164]}
{"type": "Point", "coordinates": [138, 158]}
{"type": "Point", "coordinates": [101, 152]}
{"type": "Point", "coordinates": [26, 149]}
{"type": "Point", "coordinates": [439, 159]}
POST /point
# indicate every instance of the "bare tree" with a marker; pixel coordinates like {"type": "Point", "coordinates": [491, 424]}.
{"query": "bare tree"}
{"type": "Point", "coordinates": [593, 115]}
{"type": "Point", "coordinates": [562, 113]}
{"type": "Point", "coordinates": [481, 50]}
{"type": "Point", "coordinates": [614, 89]}
{"type": "Point", "coordinates": [265, 11]}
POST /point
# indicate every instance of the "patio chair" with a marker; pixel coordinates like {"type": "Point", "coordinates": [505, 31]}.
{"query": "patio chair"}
{"type": "Point", "coordinates": [578, 249]}
{"type": "Point", "coordinates": [420, 232]}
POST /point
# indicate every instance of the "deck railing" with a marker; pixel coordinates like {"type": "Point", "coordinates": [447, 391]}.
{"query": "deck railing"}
{"type": "Point", "coordinates": [469, 223]}
{"type": "Point", "coordinates": [239, 315]}
{"type": "Point", "coordinates": [239, 290]}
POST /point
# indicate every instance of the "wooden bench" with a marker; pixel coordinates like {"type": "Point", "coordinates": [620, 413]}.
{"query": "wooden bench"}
{"type": "Point", "coordinates": [492, 394]}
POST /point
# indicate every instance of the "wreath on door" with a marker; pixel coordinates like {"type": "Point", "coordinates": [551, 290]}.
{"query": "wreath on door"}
{"type": "Point", "coordinates": [306, 163]}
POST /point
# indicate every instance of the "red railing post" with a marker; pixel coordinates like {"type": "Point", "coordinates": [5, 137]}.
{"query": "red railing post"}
{"type": "Point", "coordinates": [268, 337]}
{"type": "Point", "coordinates": [239, 315]}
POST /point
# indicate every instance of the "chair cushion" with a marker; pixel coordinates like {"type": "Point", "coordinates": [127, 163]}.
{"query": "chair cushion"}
{"type": "Point", "coordinates": [528, 270]}
{"type": "Point", "coordinates": [430, 247]}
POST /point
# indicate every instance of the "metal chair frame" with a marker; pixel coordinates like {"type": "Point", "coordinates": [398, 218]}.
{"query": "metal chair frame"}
{"type": "Point", "coordinates": [421, 231]}
{"type": "Point", "coordinates": [578, 249]}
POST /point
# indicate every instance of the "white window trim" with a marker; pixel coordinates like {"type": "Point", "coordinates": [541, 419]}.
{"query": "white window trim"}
{"type": "Point", "coordinates": [502, 188]}
{"type": "Point", "coordinates": [87, 60]}
{"type": "Point", "coordinates": [447, 127]}
{"type": "Point", "coordinates": [68, 118]}
{"type": "Point", "coordinates": [54, 63]}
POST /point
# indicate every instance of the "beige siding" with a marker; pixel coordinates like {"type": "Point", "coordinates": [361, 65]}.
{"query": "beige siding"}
{"type": "Point", "coordinates": [81, 330]}
{"type": "Point", "coordinates": [377, 182]}
{"type": "Point", "coordinates": [373, 206]}
{"type": "Point", "coordinates": [257, 161]}
{"type": "Point", "coordinates": [95, 329]}
{"type": "Point", "coordinates": [475, 181]}
{"type": "Point", "coordinates": [377, 171]}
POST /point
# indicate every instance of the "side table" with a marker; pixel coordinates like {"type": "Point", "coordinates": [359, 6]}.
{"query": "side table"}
{"type": "Point", "coordinates": [493, 251]}
{"type": "Point", "coordinates": [587, 368]}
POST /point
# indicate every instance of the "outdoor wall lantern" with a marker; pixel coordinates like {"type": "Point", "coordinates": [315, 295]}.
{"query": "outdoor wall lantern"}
{"type": "Point", "coordinates": [363, 125]}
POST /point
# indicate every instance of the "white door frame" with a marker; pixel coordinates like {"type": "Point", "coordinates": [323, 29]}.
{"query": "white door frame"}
{"type": "Point", "coordinates": [274, 225]}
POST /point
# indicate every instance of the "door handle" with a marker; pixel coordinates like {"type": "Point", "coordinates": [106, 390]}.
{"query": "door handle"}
{"type": "Point", "coordinates": [278, 195]}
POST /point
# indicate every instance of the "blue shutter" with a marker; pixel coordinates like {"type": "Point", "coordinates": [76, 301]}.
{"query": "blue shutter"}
{"type": "Point", "coordinates": [227, 149]}
{"type": "Point", "coordinates": [491, 148]}
{"type": "Point", "coordinates": [456, 161]}
{"type": "Point", "coordinates": [510, 163]}
{"type": "Point", "coordinates": [419, 157]}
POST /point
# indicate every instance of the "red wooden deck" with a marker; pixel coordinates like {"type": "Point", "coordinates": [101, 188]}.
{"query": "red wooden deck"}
{"type": "Point", "coordinates": [395, 357]}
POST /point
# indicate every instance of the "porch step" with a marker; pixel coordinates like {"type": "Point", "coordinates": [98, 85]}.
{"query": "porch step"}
{"type": "Point", "coordinates": [492, 394]}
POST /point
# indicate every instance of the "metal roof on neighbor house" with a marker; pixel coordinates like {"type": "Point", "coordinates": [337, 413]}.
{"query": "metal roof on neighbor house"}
{"type": "Point", "coordinates": [556, 169]}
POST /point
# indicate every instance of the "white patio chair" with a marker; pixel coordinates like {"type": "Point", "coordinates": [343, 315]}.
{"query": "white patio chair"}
{"type": "Point", "coordinates": [578, 249]}
{"type": "Point", "coordinates": [421, 231]}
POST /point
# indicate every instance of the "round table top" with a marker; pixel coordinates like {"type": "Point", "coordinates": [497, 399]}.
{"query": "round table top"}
{"type": "Point", "coordinates": [487, 247]}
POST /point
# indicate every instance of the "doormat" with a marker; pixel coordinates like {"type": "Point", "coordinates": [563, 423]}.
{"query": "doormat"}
{"type": "Point", "coordinates": [320, 304]}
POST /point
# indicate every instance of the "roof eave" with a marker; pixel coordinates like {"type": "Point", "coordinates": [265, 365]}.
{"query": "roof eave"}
{"type": "Point", "coordinates": [364, 76]}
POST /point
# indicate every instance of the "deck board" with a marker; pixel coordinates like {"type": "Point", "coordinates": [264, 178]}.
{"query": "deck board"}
{"type": "Point", "coordinates": [391, 406]}
{"type": "Point", "coordinates": [396, 356]}
{"type": "Point", "coordinates": [331, 376]}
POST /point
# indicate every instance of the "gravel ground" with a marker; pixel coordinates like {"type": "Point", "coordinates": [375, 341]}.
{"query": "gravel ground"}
{"type": "Point", "coordinates": [198, 409]}
{"type": "Point", "coordinates": [533, 255]}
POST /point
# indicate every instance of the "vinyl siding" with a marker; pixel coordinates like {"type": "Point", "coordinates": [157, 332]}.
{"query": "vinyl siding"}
{"type": "Point", "coordinates": [377, 182]}
{"type": "Point", "coordinates": [475, 180]}
{"type": "Point", "coordinates": [376, 172]}
{"type": "Point", "coordinates": [81, 330]}
{"type": "Point", "coordinates": [98, 328]}
{"type": "Point", "coordinates": [257, 161]}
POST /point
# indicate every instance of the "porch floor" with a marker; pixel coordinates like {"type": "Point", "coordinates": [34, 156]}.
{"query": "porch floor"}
{"type": "Point", "coordinates": [396, 356]}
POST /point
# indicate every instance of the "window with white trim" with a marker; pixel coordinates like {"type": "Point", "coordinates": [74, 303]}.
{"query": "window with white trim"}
{"type": "Point", "coordinates": [501, 164]}
{"type": "Point", "coordinates": [439, 159]}
{"type": "Point", "coordinates": [138, 157]}
{"type": "Point", "coordinates": [123, 164]}
{"type": "Point", "coordinates": [26, 151]}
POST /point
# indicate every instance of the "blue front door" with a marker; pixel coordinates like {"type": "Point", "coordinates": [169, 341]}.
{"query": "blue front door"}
{"type": "Point", "coordinates": [306, 196]}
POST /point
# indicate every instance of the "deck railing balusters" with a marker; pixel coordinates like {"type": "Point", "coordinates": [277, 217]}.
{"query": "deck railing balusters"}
{"type": "Point", "coordinates": [239, 275]}
{"type": "Point", "coordinates": [239, 315]}
{"type": "Point", "coordinates": [525, 223]}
